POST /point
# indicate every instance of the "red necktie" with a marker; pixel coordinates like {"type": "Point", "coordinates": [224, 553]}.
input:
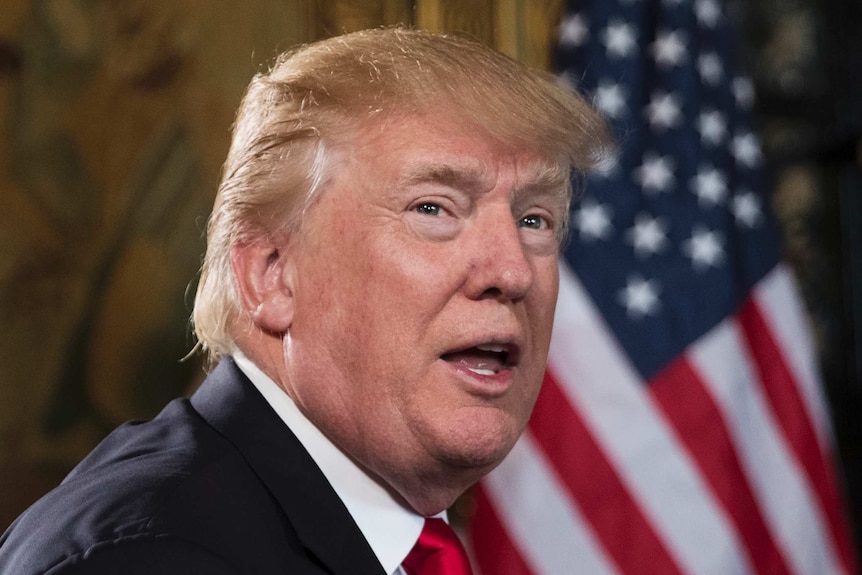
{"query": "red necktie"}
{"type": "Point", "coordinates": [438, 552]}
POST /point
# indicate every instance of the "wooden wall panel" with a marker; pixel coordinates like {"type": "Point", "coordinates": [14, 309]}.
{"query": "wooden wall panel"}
{"type": "Point", "coordinates": [527, 29]}
{"type": "Point", "coordinates": [332, 17]}
{"type": "Point", "coordinates": [472, 17]}
{"type": "Point", "coordinates": [524, 29]}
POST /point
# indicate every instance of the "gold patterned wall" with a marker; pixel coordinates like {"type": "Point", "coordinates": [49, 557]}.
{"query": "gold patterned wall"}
{"type": "Point", "coordinates": [114, 121]}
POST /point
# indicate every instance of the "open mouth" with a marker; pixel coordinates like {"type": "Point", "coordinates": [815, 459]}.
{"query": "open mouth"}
{"type": "Point", "coordinates": [485, 359]}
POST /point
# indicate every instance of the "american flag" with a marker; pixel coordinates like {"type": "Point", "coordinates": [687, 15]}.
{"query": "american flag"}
{"type": "Point", "coordinates": [681, 427]}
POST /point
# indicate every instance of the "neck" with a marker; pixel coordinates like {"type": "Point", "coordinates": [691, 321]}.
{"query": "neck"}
{"type": "Point", "coordinates": [429, 495]}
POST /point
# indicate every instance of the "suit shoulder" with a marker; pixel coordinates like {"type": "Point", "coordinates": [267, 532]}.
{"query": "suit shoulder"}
{"type": "Point", "coordinates": [173, 478]}
{"type": "Point", "coordinates": [144, 555]}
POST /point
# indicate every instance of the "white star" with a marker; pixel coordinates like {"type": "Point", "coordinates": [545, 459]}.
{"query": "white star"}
{"type": "Point", "coordinates": [746, 150]}
{"type": "Point", "coordinates": [593, 220]}
{"type": "Point", "coordinates": [712, 127]}
{"type": "Point", "coordinates": [669, 49]}
{"type": "Point", "coordinates": [648, 235]}
{"type": "Point", "coordinates": [710, 68]}
{"type": "Point", "coordinates": [663, 111]}
{"type": "Point", "coordinates": [607, 167]}
{"type": "Point", "coordinates": [743, 92]}
{"type": "Point", "coordinates": [620, 39]}
{"type": "Point", "coordinates": [746, 209]}
{"type": "Point", "coordinates": [705, 248]}
{"type": "Point", "coordinates": [655, 174]}
{"type": "Point", "coordinates": [611, 99]}
{"type": "Point", "coordinates": [573, 30]}
{"type": "Point", "coordinates": [708, 12]}
{"type": "Point", "coordinates": [640, 297]}
{"type": "Point", "coordinates": [710, 186]}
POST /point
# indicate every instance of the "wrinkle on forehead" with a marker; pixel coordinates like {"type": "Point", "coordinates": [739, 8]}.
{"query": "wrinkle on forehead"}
{"type": "Point", "coordinates": [536, 177]}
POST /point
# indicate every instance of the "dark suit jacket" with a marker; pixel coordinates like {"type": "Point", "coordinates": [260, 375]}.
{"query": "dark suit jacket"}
{"type": "Point", "coordinates": [215, 484]}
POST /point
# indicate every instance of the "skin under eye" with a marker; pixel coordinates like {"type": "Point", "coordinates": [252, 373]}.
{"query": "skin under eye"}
{"type": "Point", "coordinates": [434, 220]}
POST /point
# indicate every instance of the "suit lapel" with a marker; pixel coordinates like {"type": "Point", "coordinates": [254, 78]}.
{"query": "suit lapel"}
{"type": "Point", "coordinates": [229, 402]}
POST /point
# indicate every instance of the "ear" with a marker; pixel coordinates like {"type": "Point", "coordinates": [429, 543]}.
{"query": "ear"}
{"type": "Point", "coordinates": [264, 284]}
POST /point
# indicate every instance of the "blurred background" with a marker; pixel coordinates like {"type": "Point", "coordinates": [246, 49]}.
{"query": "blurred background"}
{"type": "Point", "coordinates": [114, 121]}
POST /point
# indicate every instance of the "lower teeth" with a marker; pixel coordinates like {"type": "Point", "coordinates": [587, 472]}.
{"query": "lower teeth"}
{"type": "Point", "coordinates": [481, 371]}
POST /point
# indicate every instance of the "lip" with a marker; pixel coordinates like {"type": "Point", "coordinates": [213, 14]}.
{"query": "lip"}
{"type": "Point", "coordinates": [489, 386]}
{"type": "Point", "coordinates": [492, 384]}
{"type": "Point", "coordinates": [512, 344]}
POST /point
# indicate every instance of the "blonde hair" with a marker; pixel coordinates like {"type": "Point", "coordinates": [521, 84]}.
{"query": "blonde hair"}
{"type": "Point", "coordinates": [293, 119]}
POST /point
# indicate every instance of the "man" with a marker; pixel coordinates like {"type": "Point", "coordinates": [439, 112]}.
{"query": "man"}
{"type": "Point", "coordinates": [378, 291]}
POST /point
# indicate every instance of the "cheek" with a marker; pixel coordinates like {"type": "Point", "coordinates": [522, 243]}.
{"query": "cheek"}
{"type": "Point", "coordinates": [542, 300]}
{"type": "Point", "coordinates": [409, 283]}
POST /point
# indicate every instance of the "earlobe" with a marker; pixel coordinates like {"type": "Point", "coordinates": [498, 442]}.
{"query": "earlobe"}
{"type": "Point", "coordinates": [264, 286]}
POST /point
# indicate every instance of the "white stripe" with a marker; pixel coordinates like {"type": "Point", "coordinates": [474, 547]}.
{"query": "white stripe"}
{"type": "Point", "coordinates": [783, 311]}
{"type": "Point", "coordinates": [603, 386]}
{"type": "Point", "coordinates": [775, 476]}
{"type": "Point", "coordinates": [549, 532]}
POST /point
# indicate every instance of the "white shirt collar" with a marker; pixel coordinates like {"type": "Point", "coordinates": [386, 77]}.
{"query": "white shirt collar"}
{"type": "Point", "coordinates": [390, 528]}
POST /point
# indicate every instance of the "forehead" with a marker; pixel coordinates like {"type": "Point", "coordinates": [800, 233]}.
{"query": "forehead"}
{"type": "Point", "coordinates": [417, 149]}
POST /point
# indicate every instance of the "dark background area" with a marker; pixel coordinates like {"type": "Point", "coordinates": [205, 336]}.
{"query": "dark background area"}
{"type": "Point", "coordinates": [806, 66]}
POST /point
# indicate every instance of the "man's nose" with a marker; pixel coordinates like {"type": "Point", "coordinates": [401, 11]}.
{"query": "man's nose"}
{"type": "Point", "coordinates": [500, 265]}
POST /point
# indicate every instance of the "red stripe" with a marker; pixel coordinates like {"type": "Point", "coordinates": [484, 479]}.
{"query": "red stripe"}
{"type": "Point", "coordinates": [680, 394]}
{"type": "Point", "coordinates": [789, 409]}
{"type": "Point", "coordinates": [494, 552]}
{"type": "Point", "coordinates": [595, 486]}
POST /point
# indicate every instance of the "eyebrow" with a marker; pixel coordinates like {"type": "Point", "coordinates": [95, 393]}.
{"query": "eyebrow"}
{"type": "Point", "coordinates": [545, 179]}
{"type": "Point", "coordinates": [469, 179]}
{"type": "Point", "coordinates": [549, 175]}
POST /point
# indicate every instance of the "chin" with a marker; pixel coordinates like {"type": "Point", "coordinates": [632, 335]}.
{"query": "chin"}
{"type": "Point", "coordinates": [481, 446]}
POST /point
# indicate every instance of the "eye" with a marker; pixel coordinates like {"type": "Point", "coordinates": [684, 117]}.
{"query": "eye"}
{"type": "Point", "coordinates": [428, 209]}
{"type": "Point", "coordinates": [435, 219]}
{"type": "Point", "coordinates": [533, 222]}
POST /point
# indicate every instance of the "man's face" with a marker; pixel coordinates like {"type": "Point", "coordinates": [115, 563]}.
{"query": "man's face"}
{"type": "Point", "coordinates": [425, 280]}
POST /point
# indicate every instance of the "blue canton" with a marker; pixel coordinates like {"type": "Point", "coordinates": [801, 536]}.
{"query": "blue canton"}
{"type": "Point", "coordinates": [670, 235]}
